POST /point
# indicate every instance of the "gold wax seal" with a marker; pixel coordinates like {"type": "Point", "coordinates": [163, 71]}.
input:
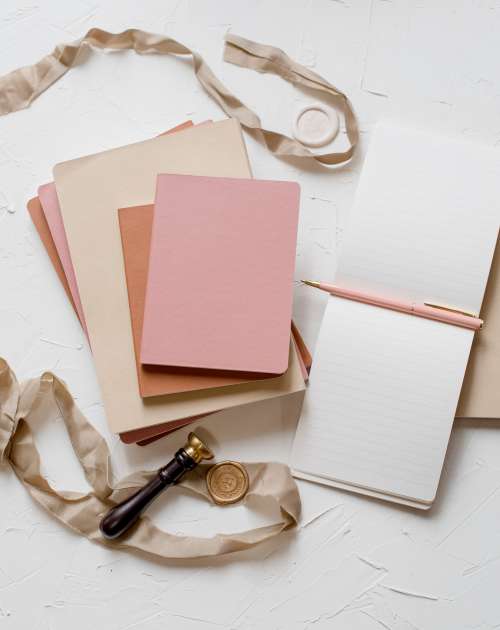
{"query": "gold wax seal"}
{"type": "Point", "coordinates": [227, 482]}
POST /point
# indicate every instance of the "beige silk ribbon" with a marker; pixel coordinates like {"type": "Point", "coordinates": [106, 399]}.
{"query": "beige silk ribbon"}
{"type": "Point", "coordinates": [20, 88]}
{"type": "Point", "coordinates": [82, 512]}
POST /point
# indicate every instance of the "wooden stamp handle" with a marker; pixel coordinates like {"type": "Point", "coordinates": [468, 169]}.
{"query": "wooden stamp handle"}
{"type": "Point", "coordinates": [120, 518]}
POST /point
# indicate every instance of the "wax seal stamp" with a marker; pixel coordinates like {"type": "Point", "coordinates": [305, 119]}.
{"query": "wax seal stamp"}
{"type": "Point", "coordinates": [122, 516]}
{"type": "Point", "coordinates": [227, 482]}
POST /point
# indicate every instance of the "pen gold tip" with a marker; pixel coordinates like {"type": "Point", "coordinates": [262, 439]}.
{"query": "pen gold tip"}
{"type": "Point", "coordinates": [311, 283]}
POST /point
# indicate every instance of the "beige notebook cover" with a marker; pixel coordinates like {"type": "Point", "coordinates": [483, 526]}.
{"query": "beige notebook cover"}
{"type": "Point", "coordinates": [480, 396]}
{"type": "Point", "coordinates": [90, 191]}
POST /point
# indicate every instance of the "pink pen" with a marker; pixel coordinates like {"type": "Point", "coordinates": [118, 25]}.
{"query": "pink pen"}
{"type": "Point", "coordinates": [429, 311]}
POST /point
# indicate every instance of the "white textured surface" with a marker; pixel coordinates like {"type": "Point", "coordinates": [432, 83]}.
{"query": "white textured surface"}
{"type": "Point", "coordinates": [355, 564]}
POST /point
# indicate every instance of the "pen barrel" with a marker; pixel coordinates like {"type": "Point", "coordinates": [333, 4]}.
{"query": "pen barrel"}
{"type": "Point", "coordinates": [428, 311]}
{"type": "Point", "coordinates": [449, 317]}
{"type": "Point", "coordinates": [121, 517]}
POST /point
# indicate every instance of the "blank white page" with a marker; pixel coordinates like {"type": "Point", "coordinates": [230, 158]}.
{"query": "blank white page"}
{"type": "Point", "coordinates": [425, 219]}
{"type": "Point", "coordinates": [382, 396]}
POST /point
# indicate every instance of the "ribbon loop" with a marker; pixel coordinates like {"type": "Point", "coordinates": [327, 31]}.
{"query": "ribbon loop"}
{"type": "Point", "coordinates": [82, 512]}
{"type": "Point", "coordinates": [9, 400]}
{"type": "Point", "coordinates": [262, 58]}
{"type": "Point", "coordinates": [21, 87]}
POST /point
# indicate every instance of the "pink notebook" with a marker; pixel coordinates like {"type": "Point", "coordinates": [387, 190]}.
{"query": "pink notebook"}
{"type": "Point", "coordinates": [222, 257]}
{"type": "Point", "coordinates": [52, 211]}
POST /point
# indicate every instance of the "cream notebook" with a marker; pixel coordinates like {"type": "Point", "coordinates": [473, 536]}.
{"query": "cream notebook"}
{"type": "Point", "coordinates": [90, 191]}
{"type": "Point", "coordinates": [384, 385]}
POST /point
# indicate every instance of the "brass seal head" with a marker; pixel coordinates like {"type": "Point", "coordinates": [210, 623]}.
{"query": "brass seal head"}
{"type": "Point", "coordinates": [196, 449]}
{"type": "Point", "coordinates": [227, 482]}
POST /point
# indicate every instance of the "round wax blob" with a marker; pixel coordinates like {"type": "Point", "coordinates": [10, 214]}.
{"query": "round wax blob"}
{"type": "Point", "coordinates": [315, 125]}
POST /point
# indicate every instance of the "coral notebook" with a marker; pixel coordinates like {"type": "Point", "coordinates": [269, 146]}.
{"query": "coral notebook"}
{"type": "Point", "coordinates": [219, 292]}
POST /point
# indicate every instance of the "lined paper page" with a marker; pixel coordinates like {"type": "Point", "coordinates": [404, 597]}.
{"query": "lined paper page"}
{"type": "Point", "coordinates": [425, 219]}
{"type": "Point", "coordinates": [381, 400]}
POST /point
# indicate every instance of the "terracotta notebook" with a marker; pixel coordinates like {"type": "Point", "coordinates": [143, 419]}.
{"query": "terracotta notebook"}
{"type": "Point", "coordinates": [220, 279]}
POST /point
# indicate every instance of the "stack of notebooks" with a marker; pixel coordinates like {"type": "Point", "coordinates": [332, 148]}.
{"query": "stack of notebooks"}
{"type": "Point", "coordinates": [180, 267]}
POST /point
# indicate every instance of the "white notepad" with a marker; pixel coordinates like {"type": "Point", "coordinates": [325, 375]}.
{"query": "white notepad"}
{"type": "Point", "coordinates": [384, 385]}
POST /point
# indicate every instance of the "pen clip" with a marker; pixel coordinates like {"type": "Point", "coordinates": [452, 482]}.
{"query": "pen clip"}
{"type": "Point", "coordinates": [442, 307]}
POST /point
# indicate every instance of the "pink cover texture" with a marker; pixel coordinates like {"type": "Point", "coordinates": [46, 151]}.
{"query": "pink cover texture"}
{"type": "Point", "coordinates": [219, 293]}
{"type": "Point", "coordinates": [51, 209]}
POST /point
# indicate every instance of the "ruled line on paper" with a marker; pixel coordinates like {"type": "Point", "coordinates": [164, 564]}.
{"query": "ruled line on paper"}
{"type": "Point", "coordinates": [381, 420]}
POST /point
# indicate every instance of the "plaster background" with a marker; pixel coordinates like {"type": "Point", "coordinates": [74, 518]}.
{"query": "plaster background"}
{"type": "Point", "coordinates": [355, 563]}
